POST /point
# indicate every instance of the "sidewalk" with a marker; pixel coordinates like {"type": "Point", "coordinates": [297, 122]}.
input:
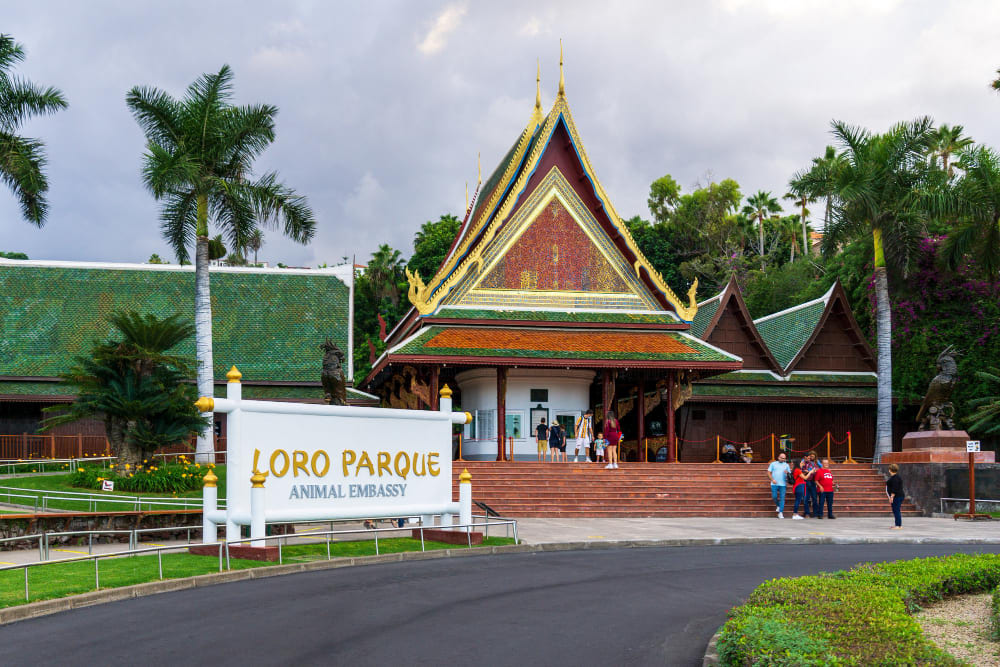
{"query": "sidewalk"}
{"type": "Point", "coordinates": [549, 531]}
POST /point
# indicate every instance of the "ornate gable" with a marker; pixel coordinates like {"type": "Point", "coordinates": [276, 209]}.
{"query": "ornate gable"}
{"type": "Point", "coordinates": [552, 254]}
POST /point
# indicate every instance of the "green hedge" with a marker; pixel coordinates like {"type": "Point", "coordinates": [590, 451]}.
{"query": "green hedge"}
{"type": "Point", "coordinates": [856, 617]}
{"type": "Point", "coordinates": [995, 615]}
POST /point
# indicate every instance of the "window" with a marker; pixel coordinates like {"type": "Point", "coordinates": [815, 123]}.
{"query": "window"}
{"type": "Point", "coordinates": [568, 424]}
{"type": "Point", "coordinates": [486, 424]}
{"type": "Point", "coordinates": [698, 415]}
{"type": "Point", "coordinates": [515, 424]}
{"type": "Point", "coordinates": [539, 395]}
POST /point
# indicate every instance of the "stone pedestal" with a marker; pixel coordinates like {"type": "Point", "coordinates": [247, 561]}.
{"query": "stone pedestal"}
{"type": "Point", "coordinates": [935, 447]}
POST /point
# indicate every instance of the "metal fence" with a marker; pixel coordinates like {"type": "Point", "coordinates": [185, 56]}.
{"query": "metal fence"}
{"type": "Point", "coordinates": [40, 500]}
{"type": "Point", "coordinates": [223, 551]}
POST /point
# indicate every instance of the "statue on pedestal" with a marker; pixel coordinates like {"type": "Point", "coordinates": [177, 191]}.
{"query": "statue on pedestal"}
{"type": "Point", "coordinates": [334, 383]}
{"type": "Point", "coordinates": [937, 412]}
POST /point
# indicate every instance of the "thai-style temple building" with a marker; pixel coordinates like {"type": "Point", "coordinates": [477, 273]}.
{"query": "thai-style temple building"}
{"type": "Point", "coordinates": [545, 307]}
{"type": "Point", "coordinates": [270, 322]}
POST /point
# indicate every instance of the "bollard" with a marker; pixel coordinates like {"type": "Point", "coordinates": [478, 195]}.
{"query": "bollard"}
{"type": "Point", "coordinates": [827, 444]}
{"type": "Point", "coordinates": [465, 499]}
{"type": "Point", "coordinates": [257, 508]}
{"type": "Point", "coordinates": [210, 501]}
{"type": "Point", "coordinates": [717, 459]}
{"type": "Point", "coordinates": [849, 459]}
{"type": "Point", "coordinates": [772, 448]}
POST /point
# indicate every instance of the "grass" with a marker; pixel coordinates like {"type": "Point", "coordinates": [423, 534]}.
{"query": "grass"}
{"type": "Point", "coordinates": [56, 579]}
{"type": "Point", "coordinates": [60, 483]}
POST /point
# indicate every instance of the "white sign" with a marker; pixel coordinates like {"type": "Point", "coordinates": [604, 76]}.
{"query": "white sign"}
{"type": "Point", "coordinates": [107, 485]}
{"type": "Point", "coordinates": [972, 445]}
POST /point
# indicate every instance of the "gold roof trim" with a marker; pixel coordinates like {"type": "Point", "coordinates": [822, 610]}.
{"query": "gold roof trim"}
{"type": "Point", "coordinates": [426, 299]}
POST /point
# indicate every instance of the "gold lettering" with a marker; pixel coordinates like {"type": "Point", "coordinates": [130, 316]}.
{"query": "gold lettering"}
{"type": "Point", "coordinates": [274, 457]}
{"type": "Point", "coordinates": [256, 458]}
{"type": "Point", "coordinates": [299, 459]}
{"type": "Point", "coordinates": [406, 467]}
{"type": "Point", "coordinates": [383, 462]}
{"type": "Point", "coordinates": [364, 462]}
{"type": "Point", "coordinates": [326, 466]}
{"type": "Point", "coordinates": [347, 459]}
{"type": "Point", "coordinates": [432, 464]}
{"type": "Point", "coordinates": [417, 459]}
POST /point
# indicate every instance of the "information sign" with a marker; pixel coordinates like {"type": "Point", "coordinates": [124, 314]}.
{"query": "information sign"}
{"type": "Point", "coordinates": [972, 445]}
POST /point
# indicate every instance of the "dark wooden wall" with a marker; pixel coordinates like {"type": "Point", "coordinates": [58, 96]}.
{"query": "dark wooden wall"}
{"type": "Point", "coordinates": [835, 348]}
{"type": "Point", "coordinates": [733, 338]}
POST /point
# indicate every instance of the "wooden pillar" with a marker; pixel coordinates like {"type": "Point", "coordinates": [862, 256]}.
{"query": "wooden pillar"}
{"type": "Point", "coordinates": [641, 418]}
{"type": "Point", "coordinates": [435, 382]}
{"type": "Point", "coordinates": [606, 396]}
{"type": "Point", "coordinates": [671, 434]}
{"type": "Point", "coordinates": [501, 412]}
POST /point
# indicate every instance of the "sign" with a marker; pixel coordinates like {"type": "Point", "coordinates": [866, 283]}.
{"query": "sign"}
{"type": "Point", "coordinates": [107, 485]}
{"type": "Point", "coordinates": [972, 445]}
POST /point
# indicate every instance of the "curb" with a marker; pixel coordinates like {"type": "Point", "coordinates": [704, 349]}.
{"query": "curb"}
{"type": "Point", "coordinates": [711, 658]}
{"type": "Point", "coordinates": [46, 607]}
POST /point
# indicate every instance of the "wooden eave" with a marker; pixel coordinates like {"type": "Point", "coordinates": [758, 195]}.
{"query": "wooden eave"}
{"type": "Point", "coordinates": [838, 295]}
{"type": "Point", "coordinates": [732, 293]}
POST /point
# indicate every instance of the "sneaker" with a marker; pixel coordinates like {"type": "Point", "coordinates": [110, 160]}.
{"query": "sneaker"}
{"type": "Point", "coordinates": [781, 515]}
{"type": "Point", "coordinates": [819, 517]}
{"type": "Point", "coordinates": [776, 509]}
{"type": "Point", "coordinates": [608, 467]}
{"type": "Point", "coordinates": [831, 517]}
{"type": "Point", "coordinates": [798, 516]}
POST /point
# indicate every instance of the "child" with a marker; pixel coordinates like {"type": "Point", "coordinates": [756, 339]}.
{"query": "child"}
{"type": "Point", "coordinates": [599, 444]}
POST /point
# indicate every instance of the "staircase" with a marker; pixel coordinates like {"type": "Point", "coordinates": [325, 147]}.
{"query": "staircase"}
{"type": "Point", "coordinates": [567, 490]}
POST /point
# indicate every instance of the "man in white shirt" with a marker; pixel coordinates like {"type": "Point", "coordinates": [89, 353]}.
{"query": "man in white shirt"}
{"type": "Point", "coordinates": [584, 435]}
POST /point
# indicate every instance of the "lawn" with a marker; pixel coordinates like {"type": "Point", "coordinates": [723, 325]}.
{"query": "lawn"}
{"type": "Point", "coordinates": [55, 580]}
{"type": "Point", "coordinates": [60, 483]}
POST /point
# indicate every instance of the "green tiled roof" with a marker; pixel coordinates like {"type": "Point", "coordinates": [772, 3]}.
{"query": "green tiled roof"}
{"type": "Point", "coordinates": [255, 392]}
{"type": "Point", "coordinates": [833, 378]}
{"type": "Point", "coordinates": [786, 332]}
{"type": "Point", "coordinates": [556, 316]}
{"type": "Point", "coordinates": [706, 311]}
{"type": "Point", "coordinates": [423, 345]}
{"type": "Point", "coordinates": [270, 325]}
{"type": "Point", "coordinates": [783, 390]}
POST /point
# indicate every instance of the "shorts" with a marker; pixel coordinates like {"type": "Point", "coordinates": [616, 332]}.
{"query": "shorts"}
{"type": "Point", "coordinates": [558, 445]}
{"type": "Point", "coordinates": [582, 443]}
{"type": "Point", "coordinates": [543, 445]}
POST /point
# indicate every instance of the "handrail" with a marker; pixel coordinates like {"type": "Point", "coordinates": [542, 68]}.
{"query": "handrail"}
{"type": "Point", "coordinates": [224, 546]}
{"type": "Point", "coordinates": [966, 501]}
{"type": "Point", "coordinates": [94, 499]}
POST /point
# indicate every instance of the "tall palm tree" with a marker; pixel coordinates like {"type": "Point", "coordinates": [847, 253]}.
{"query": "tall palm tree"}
{"type": "Point", "coordinates": [23, 158]}
{"type": "Point", "coordinates": [199, 160]}
{"type": "Point", "coordinates": [759, 206]}
{"type": "Point", "coordinates": [820, 179]}
{"type": "Point", "coordinates": [978, 196]}
{"type": "Point", "coordinates": [801, 192]}
{"type": "Point", "coordinates": [787, 229]}
{"type": "Point", "coordinates": [255, 243]}
{"type": "Point", "coordinates": [948, 141]}
{"type": "Point", "coordinates": [878, 193]}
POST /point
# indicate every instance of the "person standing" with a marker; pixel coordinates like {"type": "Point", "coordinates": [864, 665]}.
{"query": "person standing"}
{"type": "Point", "coordinates": [584, 435]}
{"type": "Point", "coordinates": [599, 444]}
{"type": "Point", "coordinates": [824, 485]}
{"type": "Point", "coordinates": [799, 489]}
{"type": "Point", "coordinates": [542, 436]}
{"type": "Point", "coordinates": [812, 498]}
{"type": "Point", "coordinates": [557, 442]}
{"type": "Point", "coordinates": [613, 434]}
{"type": "Point", "coordinates": [894, 491]}
{"type": "Point", "coordinates": [778, 473]}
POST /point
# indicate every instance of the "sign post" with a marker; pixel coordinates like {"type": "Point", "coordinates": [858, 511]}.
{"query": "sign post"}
{"type": "Point", "coordinates": [972, 447]}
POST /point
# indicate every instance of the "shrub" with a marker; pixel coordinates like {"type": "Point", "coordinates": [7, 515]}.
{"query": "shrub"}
{"type": "Point", "coordinates": [995, 615]}
{"type": "Point", "coordinates": [148, 477]}
{"type": "Point", "coordinates": [856, 617]}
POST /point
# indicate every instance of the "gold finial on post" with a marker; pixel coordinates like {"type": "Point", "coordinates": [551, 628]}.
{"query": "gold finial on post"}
{"type": "Point", "coordinates": [257, 479]}
{"type": "Point", "coordinates": [445, 392]}
{"type": "Point", "coordinates": [465, 477]}
{"type": "Point", "coordinates": [210, 479]}
{"type": "Point", "coordinates": [205, 404]}
{"type": "Point", "coordinates": [234, 374]}
{"type": "Point", "coordinates": [562, 79]}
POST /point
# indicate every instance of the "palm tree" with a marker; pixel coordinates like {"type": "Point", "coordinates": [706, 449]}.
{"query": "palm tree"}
{"type": "Point", "coordinates": [820, 179]}
{"type": "Point", "coordinates": [947, 141]}
{"type": "Point", "coordinates": [986, 418]}
{"type": "Point", "coordinates": [216, 247]}
{"type": "Point", "coordinates": [978, 196]}
{"type": "Point", "coordinates": [878, 193]}
{"type": "Point", "coordinates": [801, 192]}
{"type": "Point", "coordinates": [255, 243]}
{"type": "Point", "coordinates": [759, 206]}
{"type": "Point", "coordinates": [385, 273]}
{"type": "Point", "coordinates": [199, 160]}
{"type": "Point", "coordinates": [22, 158]}
{"type": "Point", "coordinates": [787, 229]}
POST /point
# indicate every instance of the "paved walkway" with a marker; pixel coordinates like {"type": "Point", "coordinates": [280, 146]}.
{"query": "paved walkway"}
{"type": "Point", "coordinates": [543, 531]}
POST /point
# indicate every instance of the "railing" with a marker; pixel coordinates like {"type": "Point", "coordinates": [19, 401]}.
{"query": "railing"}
{"type": "Point", "coordinates": [224, 546]}
{"type": "Point", "coordinates": [964, 503]}
{"type": "Point", "coordinates": [41, 500]}
{"type": "Point", "coordinates": [26, 446]}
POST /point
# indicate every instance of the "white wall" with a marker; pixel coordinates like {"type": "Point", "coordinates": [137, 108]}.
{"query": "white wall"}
{"type": "Point", "coordinates": [569, 393]}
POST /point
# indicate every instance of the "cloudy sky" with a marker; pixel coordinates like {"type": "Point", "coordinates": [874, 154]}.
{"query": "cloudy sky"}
{"type": "Point", "coordinates": [384, 105]}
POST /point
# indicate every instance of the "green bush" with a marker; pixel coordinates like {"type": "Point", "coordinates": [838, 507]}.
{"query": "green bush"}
{"type": "Point", "coordinates": [148, 477]}
{"type": "Point", "coordinates": [995, 615]}
{"type": "Point", "coordinates": [856, 617]}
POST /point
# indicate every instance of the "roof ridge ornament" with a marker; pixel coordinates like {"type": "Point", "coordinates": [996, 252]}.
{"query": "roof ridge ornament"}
{"type": "Point", "coordinates": [562, 78]}
{"type": "Point", "coordinates": [538, 116]}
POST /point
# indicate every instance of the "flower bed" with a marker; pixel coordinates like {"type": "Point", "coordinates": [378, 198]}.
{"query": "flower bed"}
{"type": "Point", "coordinates": [856, 617]}
{"type": "Point", "coordinates": [147, 477]}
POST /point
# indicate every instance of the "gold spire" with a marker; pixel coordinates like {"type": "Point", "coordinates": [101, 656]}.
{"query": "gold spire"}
{"type": "Point", "coordinates": [538, 90]}
{"type": "Point", "coordinates": [479, 169]}
{"type": "Point", "coordinates": [466, 195]}
{"type": "Point", "coordinates": [562, 79]}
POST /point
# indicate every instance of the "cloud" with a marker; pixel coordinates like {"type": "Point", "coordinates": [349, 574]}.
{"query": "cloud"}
{"type": "Point", "coordinates": [531, 28]}
{"type": "Point", "coordinates": [363, 203]}
{"type": "Point", "coordinates": [446, 23]}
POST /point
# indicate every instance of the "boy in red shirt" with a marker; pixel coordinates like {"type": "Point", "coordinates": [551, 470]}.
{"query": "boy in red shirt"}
{"type": "Point", "coordinates": [824, 484]}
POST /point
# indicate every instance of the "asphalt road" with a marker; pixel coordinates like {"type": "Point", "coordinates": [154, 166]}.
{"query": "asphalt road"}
{"type": "Point", "coordinates": [603, 607]}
